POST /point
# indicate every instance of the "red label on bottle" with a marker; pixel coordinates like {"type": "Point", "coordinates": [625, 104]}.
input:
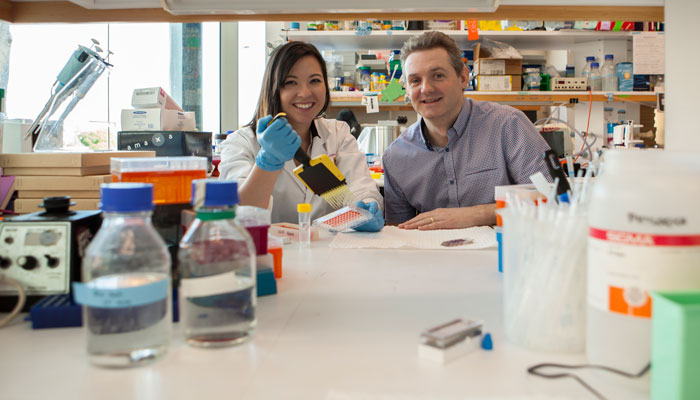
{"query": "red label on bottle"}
{"type": "Point", "coordinates": [644, 239]}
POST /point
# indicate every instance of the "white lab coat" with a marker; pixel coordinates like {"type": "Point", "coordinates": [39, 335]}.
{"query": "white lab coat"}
{"type": "Point", "coordinates": [238, 153]}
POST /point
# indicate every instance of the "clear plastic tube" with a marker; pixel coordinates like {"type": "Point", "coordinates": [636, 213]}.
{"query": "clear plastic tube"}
{"type": "Point", "coordinates": [304, 210]}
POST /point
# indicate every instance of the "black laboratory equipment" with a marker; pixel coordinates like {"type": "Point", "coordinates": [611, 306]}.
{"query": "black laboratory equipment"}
{"type": "Point", "coordinates": [43, 250]}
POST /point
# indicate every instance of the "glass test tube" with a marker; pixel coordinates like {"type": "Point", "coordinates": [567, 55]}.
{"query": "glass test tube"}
{"type": "Point", "coordinates": [304, 210]}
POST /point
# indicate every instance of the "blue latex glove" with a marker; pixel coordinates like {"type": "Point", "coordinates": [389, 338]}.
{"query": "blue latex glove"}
{"type": "Point", "coordinates": [374, 225]}
{"type": "Point", "coordinates": [278, 143]}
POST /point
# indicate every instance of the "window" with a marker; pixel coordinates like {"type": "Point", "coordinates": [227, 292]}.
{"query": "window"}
{"type": "Point", "coordinates": [141, 58]}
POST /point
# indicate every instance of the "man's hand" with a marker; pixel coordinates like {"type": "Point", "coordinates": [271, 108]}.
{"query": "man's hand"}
{"type": "Point", "coordinates": [453, 218]}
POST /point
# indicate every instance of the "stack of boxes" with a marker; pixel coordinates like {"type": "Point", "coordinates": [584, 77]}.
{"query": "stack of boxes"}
{"type": "Point", "coordinates": [158, 123]}
{"type": "Point", "coordinates": [155, 110]}
{"type": "Point", "coordinates": [496, 74]}
{"type": "Point", "coordinates": [79, 175]}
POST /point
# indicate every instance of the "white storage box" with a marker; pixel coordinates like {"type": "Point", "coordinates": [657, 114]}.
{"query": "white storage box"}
{"type": "Point", "coordinates": [157, 119]}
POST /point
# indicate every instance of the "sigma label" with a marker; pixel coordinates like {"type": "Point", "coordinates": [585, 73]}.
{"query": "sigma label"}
{"type": "Point", "coordinates": [625, 266]}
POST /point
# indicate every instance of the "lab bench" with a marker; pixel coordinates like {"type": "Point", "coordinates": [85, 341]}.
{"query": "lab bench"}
{"type": "Point", "coordinates": [345, 324]}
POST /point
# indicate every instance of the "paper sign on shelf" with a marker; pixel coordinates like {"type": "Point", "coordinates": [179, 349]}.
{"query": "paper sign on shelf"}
{"type": "Point", "coordinates": [372, 103]}
{"type": "Point", "coordinates": [648, 53]}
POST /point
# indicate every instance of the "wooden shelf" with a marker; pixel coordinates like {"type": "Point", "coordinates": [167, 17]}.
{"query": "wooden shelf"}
{"type": "Point", "coordinates": [113, 11]}
{"type": "Point", "coordinates": [513, 98]}
{"type": "Point", "coordinates": [522, 40]}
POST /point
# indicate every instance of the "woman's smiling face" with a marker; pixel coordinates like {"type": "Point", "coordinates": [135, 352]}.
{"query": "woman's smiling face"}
{"type": "Point", "coordinates": [303, 92]}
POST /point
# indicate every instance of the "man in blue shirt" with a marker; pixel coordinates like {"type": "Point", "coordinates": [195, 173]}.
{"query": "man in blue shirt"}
{"type": "Point", "coordinates": [441, 172]}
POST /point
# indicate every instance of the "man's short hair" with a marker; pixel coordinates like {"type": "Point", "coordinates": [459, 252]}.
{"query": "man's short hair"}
{"type": "Point", "coordinates": [431, 40]}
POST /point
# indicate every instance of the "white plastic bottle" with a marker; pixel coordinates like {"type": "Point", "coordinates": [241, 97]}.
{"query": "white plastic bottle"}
{"type": "Point", "coordinates": [594, 79]}
{"type": "Point", "coordinates": [587, 68]}
{"type": "Point", "coordinates": [608, 74]}
{"type": "Point", "coordinates": [644, 235]}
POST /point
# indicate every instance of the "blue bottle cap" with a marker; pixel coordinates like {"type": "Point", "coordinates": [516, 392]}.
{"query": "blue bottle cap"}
{"type": "Point", "coordinates": [216, 192]}
{"type": "Point", "coordinates": [126, 197]}
{"type": "Point", "coordinates": [294, 25]}
{"type": "Point", "coordinates": [590, 58]}
{"type": "Point", "coordinates": [487, 342]}
{"type": "Point", "coordinates": [594, 65]}
{"type": "Point", "coordinates": [609, 56]}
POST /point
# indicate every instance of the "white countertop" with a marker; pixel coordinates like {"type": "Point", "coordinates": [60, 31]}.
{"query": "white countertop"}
{"type": "Point", "coordinates": [344, 325]}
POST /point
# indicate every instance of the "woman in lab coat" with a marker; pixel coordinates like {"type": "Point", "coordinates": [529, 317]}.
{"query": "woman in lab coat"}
{"type": "Point", "coordinates": [295, 82]}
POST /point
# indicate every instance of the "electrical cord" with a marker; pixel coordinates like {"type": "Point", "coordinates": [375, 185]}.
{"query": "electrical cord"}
{"type": "Point", "coordinates": [21, 299]}
{"type": "Point", "coordinates": [533, 370]}
{"type": "Point", "coordinates": [588, 124]}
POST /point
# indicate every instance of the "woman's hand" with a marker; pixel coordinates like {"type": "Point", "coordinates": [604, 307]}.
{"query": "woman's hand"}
{"type": "Point", "coordinates": [278, 143]}
{"type": "Point", "coordinates": [374, 225]}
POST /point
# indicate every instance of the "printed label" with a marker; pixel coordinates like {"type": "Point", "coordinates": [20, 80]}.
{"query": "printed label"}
{"type": "Point", "coordinates": [212, 285]}
{"type": "Point", "coordinates": [371, 103]}
{"type": "Point", "coordinates": [623, 267]}
{"type": "Point", "coordinates": [495, 83]}
{"type": "Point", "coordinates": [88, 294]}
{"type": "Point", "coordinates": [492, 67]}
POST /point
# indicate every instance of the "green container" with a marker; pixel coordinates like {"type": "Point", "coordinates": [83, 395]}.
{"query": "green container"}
{"type": "Point", "coordinates": [675, 351]}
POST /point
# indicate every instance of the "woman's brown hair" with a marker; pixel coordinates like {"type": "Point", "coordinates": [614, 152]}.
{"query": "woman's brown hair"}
{"type": "Point", "coordinates": [282, 60]}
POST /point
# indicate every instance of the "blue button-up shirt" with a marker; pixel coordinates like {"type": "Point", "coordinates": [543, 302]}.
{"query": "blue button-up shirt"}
{"type": "Point", "coordinates": [488, 145]}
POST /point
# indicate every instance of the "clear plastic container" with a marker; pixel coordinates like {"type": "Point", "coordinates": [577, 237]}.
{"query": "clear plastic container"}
{"type": "Point", "coordinates": [532, 78]}
{"type": "Point", "coordinates": [587, 67]}
{"type": "Point", "coordinates": [304, 210]}
{"type": "Point", "coordinates": [364, 79]}
{"type": "Point", "coordinates": [171, 176]}
{"type": "Point", "coordinates": [217, 270]}
{"type": "Point", "coordinates": [595, 81]}
{"type": "Point", "coordinates": [608, 74]}
{"type": "Point", "coordinates": [128, 261]}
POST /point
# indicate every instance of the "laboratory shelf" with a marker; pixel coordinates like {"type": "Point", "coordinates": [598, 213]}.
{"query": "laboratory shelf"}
{"type": "Point", "coordinates": [522, 40]}
{"type": "Point", "coordinates": [511, 98]}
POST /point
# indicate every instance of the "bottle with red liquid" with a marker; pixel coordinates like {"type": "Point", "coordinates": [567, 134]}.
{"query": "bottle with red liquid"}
{"type": "Point", "coordinates": [217, 270]}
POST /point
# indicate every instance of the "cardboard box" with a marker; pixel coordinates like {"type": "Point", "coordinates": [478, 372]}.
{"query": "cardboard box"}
{"type": "Point", "coordinates": [71, 183]}
{"type": "Point", "coordinates": [492, 66]}
{"type": "Point", "coordinates": [65, 164]}
{"type": "Point", "coordinates": [484, 64]}
{"type": "Point", "coordinates": [168, 143]}
{"type": "Point", "coordinates": [153, 97]}
{"type": "Point", "coordinates": [157, 119]}
{"type": "Point", "coordinates": [23, 206]}
{"type": "Point", "coordinates": [75, 194]}
{"type": "Point", "coordinates": [498, 83]}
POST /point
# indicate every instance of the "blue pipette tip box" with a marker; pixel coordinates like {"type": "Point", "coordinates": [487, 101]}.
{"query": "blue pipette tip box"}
{"type": "Point", "coordinates": [56, 311]}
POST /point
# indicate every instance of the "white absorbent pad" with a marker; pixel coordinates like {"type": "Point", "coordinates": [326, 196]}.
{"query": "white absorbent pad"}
{"type": "Point", "coordinates": [391, 237]}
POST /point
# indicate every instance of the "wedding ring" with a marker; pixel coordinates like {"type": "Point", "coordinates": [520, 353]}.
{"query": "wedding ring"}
{"type": "Point", "coordinates": [432, 220]}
